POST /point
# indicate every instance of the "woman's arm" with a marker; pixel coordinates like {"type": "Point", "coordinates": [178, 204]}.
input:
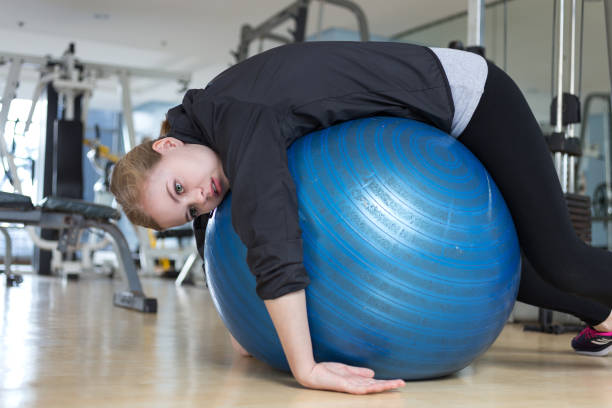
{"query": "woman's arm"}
{"type": "Point", "coordinates": [248, 138]}
{"type": "Point", "coordinates": [290, 319]}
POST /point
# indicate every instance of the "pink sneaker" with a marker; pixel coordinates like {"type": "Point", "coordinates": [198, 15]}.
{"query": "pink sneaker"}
{"type": "Point", "coordinates": [592, 343]}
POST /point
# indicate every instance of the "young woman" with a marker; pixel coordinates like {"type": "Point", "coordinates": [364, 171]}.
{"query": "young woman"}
{"type": "Point", "coordinates": [234, 134]}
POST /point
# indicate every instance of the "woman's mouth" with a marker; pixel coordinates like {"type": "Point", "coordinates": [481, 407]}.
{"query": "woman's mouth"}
{"type": "Point", "coordinates": [216, 190]}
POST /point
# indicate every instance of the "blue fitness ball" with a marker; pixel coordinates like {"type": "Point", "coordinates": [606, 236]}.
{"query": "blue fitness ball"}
{"type": "Point", "coordinates": [412, 253]}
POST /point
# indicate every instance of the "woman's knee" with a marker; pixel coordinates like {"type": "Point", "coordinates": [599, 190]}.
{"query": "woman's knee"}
{"type": "Point", "coordinates": [560, 266]}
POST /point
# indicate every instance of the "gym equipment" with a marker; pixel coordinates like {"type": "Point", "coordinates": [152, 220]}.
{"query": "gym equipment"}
{"type": "Point", "coordinates": [411, 251]}
{"type": "Point", "coordinates": [184, 254]}
{"type": "Point", "coordinates": [476, 12]}
{"type": "Point", "coordinates": [565, 145]}
{"type": "Point", "coordinates": [602, 196]}
{"type": "Point", "coordinates": [476, 26]}
{"type": "Point", "coordinates": [565, 107]}
{"type": "Point", "coordinates": [101, 159]}
{"type": "Point", "coordinates": [608, 19]}
{"type": "Point", "coordinates": [71, 81]}
{"type": "Point", "coordinates": [298, 12]}
{"type": "Point", "coordinates": [602, 193]}
{"type": "Point", "coordinates": [476, 29]}
{"type": "Point", "coordinates": [12, 279]}
{"type": "Point", "coordinates": [475, 19]}
{"type": "Point", "coordinates": [70, 217]}
{"type": "Point", "coordinates": [579, 208]}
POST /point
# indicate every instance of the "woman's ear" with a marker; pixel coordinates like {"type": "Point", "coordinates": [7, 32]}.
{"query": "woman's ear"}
{"type": "Point", "coordinates": [166, 144]}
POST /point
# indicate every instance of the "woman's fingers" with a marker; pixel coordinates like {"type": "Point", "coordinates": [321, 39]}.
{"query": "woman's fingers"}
{"type": "Point", "coordinates": [362, 371]}
{"type": "Point", "coordinates": [373, 386]}
{"type": "Point", "coordinates": [350, 379]}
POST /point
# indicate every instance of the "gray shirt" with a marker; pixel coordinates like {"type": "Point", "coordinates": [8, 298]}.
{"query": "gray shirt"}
{"type": "Point", "coordinates": [467, 74]}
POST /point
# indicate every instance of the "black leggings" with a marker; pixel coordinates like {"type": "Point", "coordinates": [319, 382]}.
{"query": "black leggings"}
{"type": "Point", "coordinates": [560, 272]}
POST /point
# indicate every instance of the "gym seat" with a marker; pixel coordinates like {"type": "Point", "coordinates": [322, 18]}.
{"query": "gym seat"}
{"type": "Point", "coordinates": [70, 217]}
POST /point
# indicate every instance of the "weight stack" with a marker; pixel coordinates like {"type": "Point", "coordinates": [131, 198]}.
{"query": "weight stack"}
{"type": "Point", "coordinates": [579, 207]}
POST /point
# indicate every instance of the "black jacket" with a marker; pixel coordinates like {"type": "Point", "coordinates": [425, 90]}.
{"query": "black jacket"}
{"type": "Point", "coordinates": [253, 111]}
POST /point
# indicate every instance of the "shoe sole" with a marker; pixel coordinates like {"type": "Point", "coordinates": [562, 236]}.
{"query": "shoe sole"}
{"type": "Point", "coordinates": [600, 353]}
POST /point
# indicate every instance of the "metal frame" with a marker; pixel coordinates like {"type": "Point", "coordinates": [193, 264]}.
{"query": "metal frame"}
{"type": "Point", "coordinates": [101, 70]}
{"type": "Point", "coordinates": [149, 253]}
{"type": "Point", "coordinates": [607, 155]}
{"type": "Point", "coordinates": [475, 23]}
{"type": "Point", "coordinates": [73, 224]}
{"type": "Point", "coordinates": [560, 158]}
{"type": "Point", "coordinates": [608, 20]}
{"type": "Point", "coordinates": [440, 21]}
{"type": "Point", "coordinates": [188, 266]}
{"type": "Point", "coordinates": [73, 78]}
{"type": "Point", "coordinates": [296, 11]}
{"type": "Point", "coordinates": [564, 162]}
{"type": "Point", "coordinates": [129, 135]}
{"type": "Point", "coordinates": [10, 92]}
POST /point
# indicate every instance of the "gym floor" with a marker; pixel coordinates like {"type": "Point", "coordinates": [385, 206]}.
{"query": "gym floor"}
{"type": "Point", "coordinates": [63, 344]}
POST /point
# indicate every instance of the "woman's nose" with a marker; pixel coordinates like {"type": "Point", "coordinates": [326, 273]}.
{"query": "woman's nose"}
{"type": "Point", "coordinates": [201, 195]}
{"type": "Point", "coordinates": [195, 196]}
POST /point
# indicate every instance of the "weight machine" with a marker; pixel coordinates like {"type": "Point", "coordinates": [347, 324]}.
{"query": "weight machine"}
{"type": "Point", "coordinates": [298, 12]}
{"type": "Point", "coordinates": [63, 216]}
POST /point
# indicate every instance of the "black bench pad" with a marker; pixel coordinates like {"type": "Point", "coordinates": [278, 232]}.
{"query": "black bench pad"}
{"type": "Point", "coordinates": [15, 201]}
{"type": "Point", "coordinates": [84, 208]}
{"type": "Point", "coordinates": [56, 204]}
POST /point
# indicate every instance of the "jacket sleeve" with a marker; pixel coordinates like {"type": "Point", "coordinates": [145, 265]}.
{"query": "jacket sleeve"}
{"type": "Point", "coordinates": [264, 201]}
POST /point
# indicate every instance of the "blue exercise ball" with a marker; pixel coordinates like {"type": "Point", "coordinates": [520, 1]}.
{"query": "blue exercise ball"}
{"type": "Point", "coordinates": [412, 253]}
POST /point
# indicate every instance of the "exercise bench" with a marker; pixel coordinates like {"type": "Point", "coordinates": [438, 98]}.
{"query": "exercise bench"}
{"type": "Point", "coordinates": [70, 217]}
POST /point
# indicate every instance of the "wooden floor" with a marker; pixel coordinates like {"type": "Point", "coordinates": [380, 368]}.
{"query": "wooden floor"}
{"type": "Point", "coordinates": [63, 344]}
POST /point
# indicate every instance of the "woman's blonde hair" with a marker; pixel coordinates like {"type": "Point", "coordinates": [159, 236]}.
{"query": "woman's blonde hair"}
{"type": "Point", "coordinates": [129, 176]}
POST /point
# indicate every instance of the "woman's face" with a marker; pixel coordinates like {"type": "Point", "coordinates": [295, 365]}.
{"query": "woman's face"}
{"type": "Point", "coordinates": [186, 182]}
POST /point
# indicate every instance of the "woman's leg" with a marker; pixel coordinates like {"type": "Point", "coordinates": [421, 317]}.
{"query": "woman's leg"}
{"type": "Point", "coordinates": [536, 291]}
{"type": "Point", "coordinates": [505, 136]}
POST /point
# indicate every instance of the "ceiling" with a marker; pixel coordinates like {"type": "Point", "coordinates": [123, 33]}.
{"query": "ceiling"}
{"type": "Point", "coordinates": [205, 29]}
{"type": "Point", "coordinates": [191, 35]}
{"type": "Point", "coordinates": [198, 36]}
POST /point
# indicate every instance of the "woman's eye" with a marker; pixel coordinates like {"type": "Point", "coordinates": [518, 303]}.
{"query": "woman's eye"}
{"type": "Point", "coordinates": [178, 187]}
{"type": "Point", "coordinates": [193, 212]}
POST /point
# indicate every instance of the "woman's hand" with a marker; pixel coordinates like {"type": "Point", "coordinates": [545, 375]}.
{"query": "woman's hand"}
{"type": "Point", "coordinates": [345, 378]}
{"type": "Point", "coordinates": [290, 319]}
